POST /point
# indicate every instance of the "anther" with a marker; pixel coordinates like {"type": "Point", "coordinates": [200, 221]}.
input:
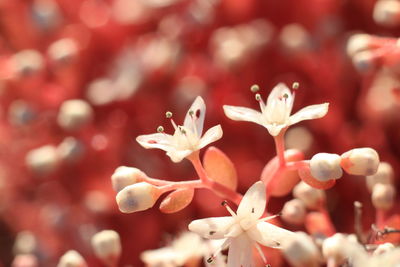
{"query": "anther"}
{"type": "Point", "coordinates": [295, 86]}
{"type": "Point", "coordinates": [191, 113]}
{"type": "Point", "coordinates": [212, 232]}
{"type": "Point", "coordinates": [285, 96]}
{"type": "Point", "coordinates": [160, 129]}
{"type": "Point", "coordinates": [210, 260]}
{"type": "Point", "coordinates": [224, 203]}
{"type": "Point", "coordinates": [258, 97]}
{"type": "Point", "coordinates": [254, 88]}
{"type": "Point", "coordinates": [168, 114]}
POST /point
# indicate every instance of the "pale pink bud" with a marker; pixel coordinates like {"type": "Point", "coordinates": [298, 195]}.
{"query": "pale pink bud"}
{"type": "Point", "coordinates": [310, 196]}
{"type": "Point", "coordinates": [383, 196]}
{"type": "Point", "coordinates": [325, 166]}
{"type": "Point", "coordinates": [360, 161]}
{"type": "Point", "coordinates": [25, 260]}
{"type": "Point", "coordinates": [301, 251]}
{"type": "Point", "coordinates": [71, 259]}
{"type": "Point", "coordinates": [384, 175]}
{"type": "Point", "coordinates": [124, 176]}
{"type": "Point", "coordinates": [42, 160]}
{"type": "Point", "coordinates": [357, 43]}
{"type": "Point", "coordinates": [387, 13]}
{"type": "Point", "coordinates": [74, 114]}
{"type": "Point", "coordinates": [63, 50]}
{"type": "Point", "coordinates": [27, 62]}
{"type": "Point", "coordinates": [25, 243]}
{"type": "Point", "coordinates": [383, 248]}
{"type": "Point", "coordinates": [294, 212]}
{"type": "Point", "coordinates": [107, 246]}
{"type": "Point", "coordinates": [364, 61]}
{"type": "Point", "coordinates": [334, 248]}
{"type": "Point", "coordinates": [137, 197]}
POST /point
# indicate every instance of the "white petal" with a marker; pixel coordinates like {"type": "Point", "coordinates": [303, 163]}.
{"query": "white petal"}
{"type": "Point", "coordinates": [178, 155]}
{"type": "Point", "coordinates": [275, 129]}
{"type": "Point", "coordinates": [240, 252]}
{"type": "Point", "coordinates": [278, 92]}
{"type": "Point", "coordinates": [253, 203]}
{"type": "Point", "coordinates": [242, 114]}
{"type": "Point", "coordinates": [212, 135]}
{"type": "Point", "coordinates": [309, 113]}
{"type": "Point", "coordinates": [212, 228]}
{"type": "Point", "coordinates": [158, 140]}
{"type": "Point", "coordinates": [195, 121]}
{"type": "Point", "coordinates": [270, 235]}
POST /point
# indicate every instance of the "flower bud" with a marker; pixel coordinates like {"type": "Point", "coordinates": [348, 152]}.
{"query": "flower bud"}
{"type": "Point", "coordinates": [25, 260]}
{"type": "Point", "coordinates": [383, 248]}
{"type": "Point", "coordinates": [301, 251]}
{"type": "Point", "coordinates": [42, 160]}
{"type": "Point", "coordinates": [72, 259]}
{"type": "Point", "coordinates": [74, 114]}
{"type": "Point", "coordinates": [364, 61]}
{"type": "Point", "coordinates": [384, 175]}
{"type": "Point", "coordinates": [387, 13]}
{"type": "Point", "coordinates": [25, 243]}
{"type": "Point", "coordinates": [383, 196]}
{"type": "Point", "coordinates": [124, 176]}
{"type": "Point", "coordinates": [325, 166]}
{"type": "Point", "coordinates": [334, 248]}
{"type": "Point", "coordinates": [294, 212]}
{"type": "Point", "coordinates": [70, 149]}
{"type": "Point", "coordinates": [27, 62]}
{"type": "Point", "coordinates": [63, 50]}
{"type": "Point", "coordinates": [360, 161]}
{"type": "Point", "coordinates": [137, 197]}
{"type": "Point", "coordinates": [357, 43]}
{"type": "Point", "coordinates": [107, 247]}
{"type": "Point", "coordinates": [310, 196]}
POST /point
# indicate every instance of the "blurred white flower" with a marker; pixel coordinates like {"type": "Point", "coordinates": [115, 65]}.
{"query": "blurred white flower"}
{"type": "Point", "coordinates": [187, 138]}
{"type": "Point", "coordinates": [275, 113]}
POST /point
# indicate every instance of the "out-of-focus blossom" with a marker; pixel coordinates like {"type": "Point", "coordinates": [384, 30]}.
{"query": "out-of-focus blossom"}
{"type": "Point", "coordinates": [107, 246]}
{"type": "Point", "coordinates": [383, 196]}
{"type": "Point", "coordinates": [301, 251]}
{"type": "Point", "coordinates": [310, 196]}
{"type": "Point", "coordinates": [72, 258]}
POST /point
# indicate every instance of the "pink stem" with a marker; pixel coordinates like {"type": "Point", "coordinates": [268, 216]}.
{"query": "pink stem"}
{"type": "Point", "coordinates": [280, 147]}
{"type": "Point", "coordinates": [181, 185]}
{"type": "Point", "coordinates": [380, 218]}
{"type": "Point", "coordinates": [155, 181]}
{"type": "Point", "coordinates": [296, 165]}
{"type": "Point", "coordinates": [331, 263]}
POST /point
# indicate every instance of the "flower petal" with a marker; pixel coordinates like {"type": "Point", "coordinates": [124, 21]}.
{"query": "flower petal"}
{"type": "Point", "coordinates": [275, 129]}
{"type": "Point", "coordinates": [212, 228]}
{"type": "Point", "coordinates": [309, 113]}
{"type": "Point", "coordinates": [242, 114]}
{"type": "Point", "coordinates": [157, 140]}
{"type": "Point", "coordinates": [240, 252]}
{"type": "Point", "coordinates": [253, 203]}
{"type": "Point", "coordinates": [194, 118]}
{"type": "Point", "coordinates": [212, 135]}
{"type": "Point", "coordinates": [278, 92]}
{"type": "Point", "coordinates": [178, 155]}
{"type": "Point", "coordinates": [270, 235]}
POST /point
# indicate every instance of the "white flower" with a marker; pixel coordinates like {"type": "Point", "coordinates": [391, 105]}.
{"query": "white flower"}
{"type": "Point", "coordinates": [244, 229]}
{"type": "Point", "coordinates": [187, 138]}
{"type": "Point", "coordinates": [275, 113]}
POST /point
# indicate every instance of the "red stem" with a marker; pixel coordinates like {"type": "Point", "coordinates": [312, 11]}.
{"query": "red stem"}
{"type": "Point", "coordinates": [280, 147]}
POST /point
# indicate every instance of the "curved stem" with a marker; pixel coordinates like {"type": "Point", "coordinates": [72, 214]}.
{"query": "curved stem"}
{"type": "Point", "coordinates": [182, 185]}
{"type": "Point", "coordinates": [280, 147]}
{"type": "Point", "coordinates": [295, 165]}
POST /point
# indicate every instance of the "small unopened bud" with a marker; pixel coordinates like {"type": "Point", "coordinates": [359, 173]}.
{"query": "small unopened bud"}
{"type": "Point", "coordinates": [25, 243]}
{"type": "Point", "coordinates": [27, 62]}
{"type": "Point", "coordinates": [254, 88]}
{"type": "Point", "coordinates": [25, 260]}
{"type": "Point", "coordinates": [325, 166]}
{"type": "Point", "coordinates": [294, 212]}
{"type": "Point", "coordinates": [72, 259]}
{"type": "Point", "coordinates": [357, 43]}
{"type": "Point", "coordinates": [63, 50]}
{"type": "Point", "coordinates": [384, 175]}
{"type": "Point", "coordinates": [334, 247]}
{"type": "Point", "coordinates": [364, 61]}
{"type": "Point", "coordinates": [360, 161]}
{"type": "Point", "coordinates": [74, 114]}
{"type": "Point", "coordinates": [310, 196]}
{"type": "Point", "coordinates": [301, 251]}
{"type": "Point", "coordinates": [70, 149]}
{"type": "Point", "coordinates": [383, 196]}
{"type": "Point", "coordinates": [107, 247]}
{"type": "Point", "coordinates": [137, 197]}
{"type": "Point", "coordinates": [383, 248]}
{"type": "Point", "coordinates": [42, 160]}
{"type": "Point", "coordinates": [387, 13]}
{"type": "Point", "coordinates": [124, 176]}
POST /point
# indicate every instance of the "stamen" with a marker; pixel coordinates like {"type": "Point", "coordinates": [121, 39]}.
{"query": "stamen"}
{"type": "Point", "coordinates": [258, 97]}
{"type": "Point", "coordinates": [191, 113]}
{"type": "Point", "coordinates": [168, 114]}
{"type": "Point", "coordinates": [160, 129]}
{"type": "Point", "coordinates": [231, 212]}
{"type": "Point", "coordinates": [295, 86]}
{"type": "Point", "coordinates": [254, 88]}
{"type": "Point", "coordinates": [270, 217]}
{"type": "Point", "coordinates": [222, 247]}
{"type": "Point", "coordinates": [210, 259]}
{"type": "Point", "coordinates": [264, 259]}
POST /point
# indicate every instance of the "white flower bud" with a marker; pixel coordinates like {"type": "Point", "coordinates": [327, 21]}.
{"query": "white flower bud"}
{"type": "Point", "coordinates": [72, 259]}
{"type": "Point", "coordinates": [42, 160]}
{"type": "Point", "coordinates": [383, 248]}
{"type": "Point", "coordinates": [384, 175]}
{"type": "Point", "coordinates": [360, 161]}
{"type": "Point", "coordinates": [310, 196]}
{"type": "Point", "coordinates": [70, 149]}
{"type": "Point", "coordinates": [74, 114]}
{"type": "Point", "coordinates": [107, 246]}
{"type": "Point", "coordinates": [325, 166]}
{"type": "Point", "coordinates": [124, 176]}
{"type": "Point", "coordinates": [25, 243]}
{"type": "Point", "coordinates": [137, 197]}
{"type": "Point", "coordinates": [27, 62]}
{"type": "Point", "coordinates": [358, 42]}
{"type": "Point", "coordinates": [301, 251]}
{"type": "Point", "coordinates": [25, 260]}
{"type": "Point", "coordinates": [63, 50]}
{"type": "Point", "coordinates": [383, 196]}
{"type": "Point", "coordinates": [364, 61]}
{"type": "Point", "coordinates": [387, 13]}
{"type": "Point", "coordinates": [294, 212]}
{"type": "Point", "coordinates": [334, 247]}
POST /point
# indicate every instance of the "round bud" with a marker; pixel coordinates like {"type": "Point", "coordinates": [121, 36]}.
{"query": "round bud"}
{"type": "Point", "coordinates": [137, 197]}
{"type": "Point", "coordinates": [387, 13]}
{"type": "Point", "coordinates": [20, 112]}
{"type": "Point", "coordinates": [74, 114]}
{"type": "Point", "coordinates": [25, 260]}
{"type": "Point", "coordinates": [360, 161]}
{"type": "Point", "coordinates": [294, 212]}
{"type": "Point", "coordinates": [25, 243]}
{"type": "Point", "coordinates": [364, 61]}
{"type": "Point", "coordinates": [383, 248]}
{"type": "Point", "coordinates": [301, 251]}
{"type": "Point", "coordinates": [107, 246]}
{"type": "Point", "coordinates": [357, 43]}
{"type": "Point", "coordinates": [124, 176]}
{"type": "Point", "coordinates": [70, 149]}
{"type": "Point", "coordinates": [325, 166]}
{"type": "Point", "coordinates": [42, 160]}
{"type": "Point", "coordinates": [63, 50]}
{"type": "Point", "coordinates": [72, 259]}
{"type": "Point", "coordinates": [384, 175]}
{"type": "Point", "coordinates": [27, 62]}
{"type": "Point", "coordinates": [310, 196]}
{"type": "Point", "coordinates": [383, 196]}
{"type": "Point", "coordinates": [334, 248]}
